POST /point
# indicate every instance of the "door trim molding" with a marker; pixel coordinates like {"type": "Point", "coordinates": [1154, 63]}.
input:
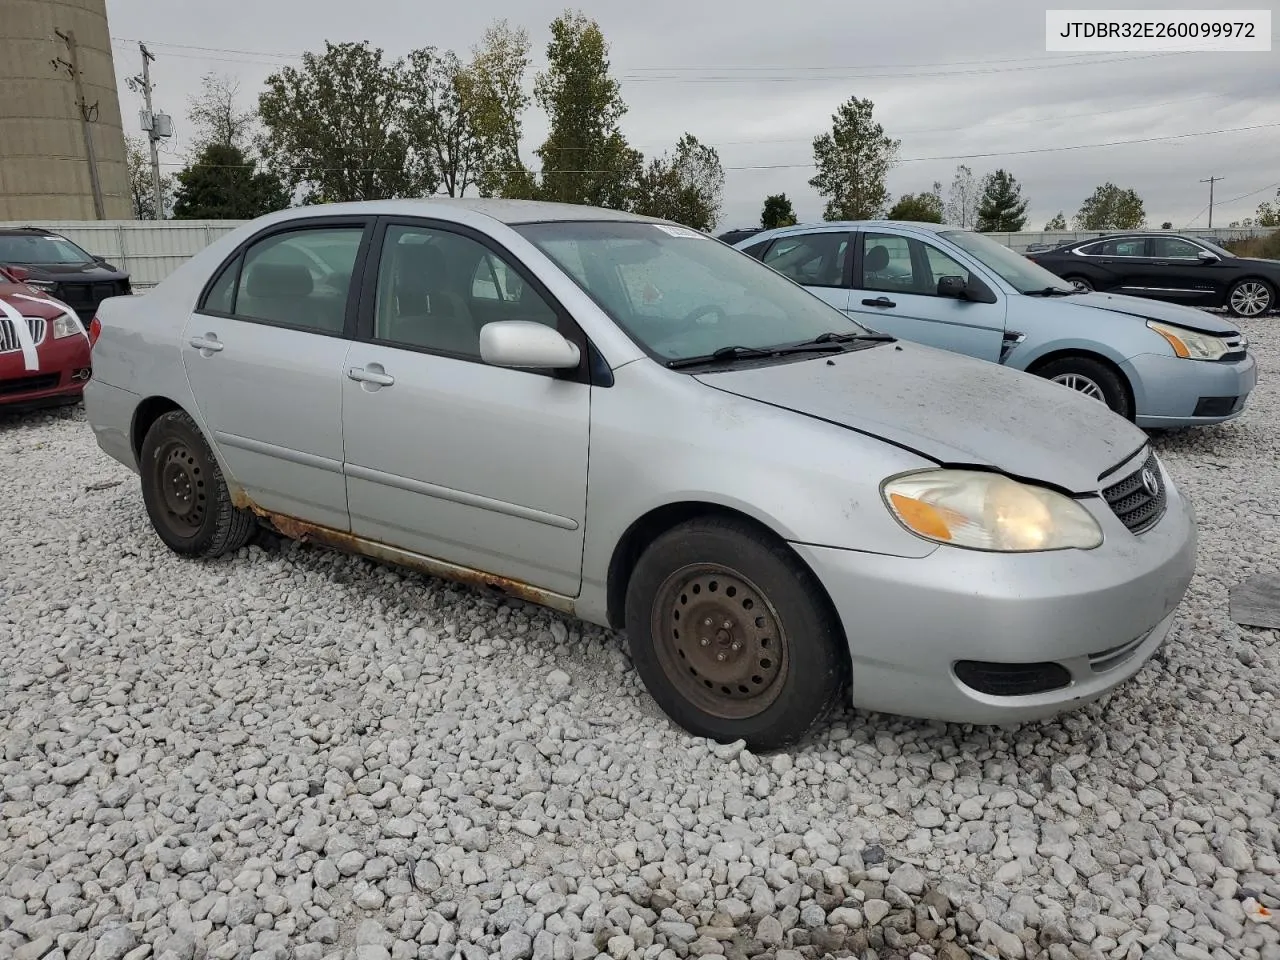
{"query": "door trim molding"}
{"type": "Point", "coordinates": [281, 453]}
{"type": "Point", "coordinates": [458, 496]}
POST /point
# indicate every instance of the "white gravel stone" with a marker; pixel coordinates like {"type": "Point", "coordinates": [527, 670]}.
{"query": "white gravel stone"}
{"type": "Point", "coordinates": [291, 752]}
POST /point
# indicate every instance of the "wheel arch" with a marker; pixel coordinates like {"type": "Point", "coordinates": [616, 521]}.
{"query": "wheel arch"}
{"type": "Point", "coordinates": [657, 521]}
{"type": "Point", "coordinates": [144, 415]}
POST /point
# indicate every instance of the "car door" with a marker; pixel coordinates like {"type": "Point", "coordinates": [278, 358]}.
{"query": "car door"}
{"type": "Point", "coordinates": [1120, 263]}
{"type": "Point", "coordinates": [896, 292]}
{"type": "Point", "coordinates": [1173, 270]}
{"type": "Point", "coordinates": [479, 466]}
{"type": "Point", "coordinates": [264, 352]}
{"type": "Point", "coordinates": [818, 261]}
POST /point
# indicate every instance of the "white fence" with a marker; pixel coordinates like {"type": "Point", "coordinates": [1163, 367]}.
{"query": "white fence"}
{"type": "Point", "coordinates": [151, 250]}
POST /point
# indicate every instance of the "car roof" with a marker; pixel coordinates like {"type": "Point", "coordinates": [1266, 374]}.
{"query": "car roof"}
{"type": "Point", "coordinates": [503, 210]}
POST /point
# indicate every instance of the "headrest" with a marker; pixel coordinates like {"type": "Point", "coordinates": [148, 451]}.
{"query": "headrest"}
{"type": "Point", "coordinates": [877, 259]}
{"type": "Point", "coordinates": [271, 280]}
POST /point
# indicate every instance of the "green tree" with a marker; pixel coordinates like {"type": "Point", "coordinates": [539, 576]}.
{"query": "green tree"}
{"type": "Point", "coordinates": [853, 160]}
{"type": "Point", "coordinates": [1056, 222]}
{"type": "Point", "coordinates": [921, 207]}
{"type": "Point", "coordinates": [335, 126]}
{"type": "Point", "coordinates": [1002, 207]}
{"type": "Point", "coordinates": [438, 122]}
{"type": "Point", "coordinates": [962, 202]}
{"type": "Point", "coordinates": [1268, 215]}
{"type": "Point", "coordinates": [585, 158]}
{"type": "Point", "coordinates": [686, 187]}
{"type": "Point", "coordinates": [1110, 208]}
{"type": "Point", "coordinates": [140, 188]}
{"type": "Point", "coordinates": [1167, 225]}
{"type": "Point", "coordinates": [216, 117]}
{"type": "Point", "coordinates": [777, 212]}
{"type": "Point", "coordinates": [495, 99]}
{"type": "Point", "coordinates": [223, 184]}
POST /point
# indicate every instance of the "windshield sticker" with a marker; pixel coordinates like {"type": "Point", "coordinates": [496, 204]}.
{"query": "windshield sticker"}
{"type": "Point", "coordinates": [673, 231]}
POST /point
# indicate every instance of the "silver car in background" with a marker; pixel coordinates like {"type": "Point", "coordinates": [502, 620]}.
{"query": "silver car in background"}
{"type": "Point", "coordinates": [628, 421]}
{"type": "Point", "coordinates": [1158, 364]}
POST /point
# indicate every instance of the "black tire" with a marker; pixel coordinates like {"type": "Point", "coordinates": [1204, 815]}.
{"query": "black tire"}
{"type": "Point", "coordinates": [1261, 301]}
{"type": "Point", "coordinates": [793, 663]}
{"type": "Point", "coordinates": [1114, 393]}
{"type": "Point", "coordinates": [1081, 283]}
{"type": "Point", "coordinates": [184, 491]}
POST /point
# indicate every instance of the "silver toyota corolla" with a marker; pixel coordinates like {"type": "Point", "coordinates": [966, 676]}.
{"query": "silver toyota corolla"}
{"type": "Point", "coordinates": [631, 422]}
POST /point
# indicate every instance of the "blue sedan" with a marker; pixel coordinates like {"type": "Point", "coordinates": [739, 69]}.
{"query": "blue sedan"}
{"type": "Point", "coordinates": [1157, 364]}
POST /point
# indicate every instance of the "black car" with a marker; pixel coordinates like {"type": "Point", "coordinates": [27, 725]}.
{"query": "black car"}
{"type": "Point", "coordinates": [52, 263]}
{"type": "Point", "coordinates": [733, 236]}
{"type": "Point", "coordinates": [1164, 266]}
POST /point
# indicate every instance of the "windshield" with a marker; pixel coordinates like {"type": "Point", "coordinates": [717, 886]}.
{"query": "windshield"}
{"type": "Point", "coordinates": [1013, 268]}
{"type": "Point", "coordinates": [30, 248]}
{"type": "Point", "coordinates": [1214, 247]}
{"type": "Point", "coordinates": [679, 293]}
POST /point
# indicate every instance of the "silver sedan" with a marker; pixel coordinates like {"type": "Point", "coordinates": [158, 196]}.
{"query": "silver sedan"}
{"type": "Point", "coordinates": [628, 421]}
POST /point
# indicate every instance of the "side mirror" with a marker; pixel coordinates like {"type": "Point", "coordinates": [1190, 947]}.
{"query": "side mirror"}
{"type": "Point", "coordinates": [523, 343]}
{"type": "Point", "coordinates": [1207, 256]}
{"type": "Point", "coordinates": [951, 287]}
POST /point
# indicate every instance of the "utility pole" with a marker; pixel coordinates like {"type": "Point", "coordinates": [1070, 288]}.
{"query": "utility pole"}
{"type": "Point", "coordinates": [88, 114]}
{"type": "Point", "coordinates": [147, 57]}
{"type": "Point", "coordinates": [1211, 181]}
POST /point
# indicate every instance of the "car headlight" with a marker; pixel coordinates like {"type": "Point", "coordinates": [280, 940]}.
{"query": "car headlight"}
{"type": "Point", "coordinates": [988, 511]}
{"type": "Point", "coordinates": [66, 326]}
{"type": "Point", "coordinates": [1189, 344]}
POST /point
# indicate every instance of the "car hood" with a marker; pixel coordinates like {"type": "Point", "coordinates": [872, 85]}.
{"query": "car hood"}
{"type": "Point", "coordinates": [954, 410]}
{"type": "Point", "coordinates": [29, 301]}
{"type": "Point", "coordinates": [1174, 313]}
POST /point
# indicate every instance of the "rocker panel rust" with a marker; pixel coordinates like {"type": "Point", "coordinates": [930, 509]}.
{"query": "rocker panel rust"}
{"type": "Point", "coordinates": [305, 532]}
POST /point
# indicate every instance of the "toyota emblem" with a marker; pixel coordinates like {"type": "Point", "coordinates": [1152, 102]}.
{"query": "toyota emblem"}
{"type": "Point", "coordinates": [1149, 482]}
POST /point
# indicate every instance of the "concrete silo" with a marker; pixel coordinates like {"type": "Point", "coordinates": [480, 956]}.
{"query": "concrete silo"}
{"type": "Point", "coordinates": [44, 167]}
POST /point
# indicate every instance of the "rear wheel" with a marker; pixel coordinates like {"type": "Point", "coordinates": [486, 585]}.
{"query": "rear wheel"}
{"type": "Point", "coordinates": [733, 636]}
{"type": "Point", "coordinates": [1092, 378]}
{"type": "Point", "coordinates": [184, 491]}
{"type": "Point", "coordinates": [1080, 283]}
{"type": "Point", "coordinates": [1251, 298]}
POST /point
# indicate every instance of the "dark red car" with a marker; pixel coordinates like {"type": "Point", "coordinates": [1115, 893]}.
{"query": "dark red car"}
{"type": "Point", "coordinates": [44, 348]}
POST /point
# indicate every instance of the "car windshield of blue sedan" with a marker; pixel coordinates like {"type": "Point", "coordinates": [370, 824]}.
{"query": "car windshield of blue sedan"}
{"type": "Point", "coordinates": [680, 293]}
{"type": "Point", "coordinates": [32, 249]}
{"type": "Point", "coordinates": [1014, 268]}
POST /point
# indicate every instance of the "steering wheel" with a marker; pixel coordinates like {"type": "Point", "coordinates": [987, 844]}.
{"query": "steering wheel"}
{"type": "Point", "coordinates": [706, 308]}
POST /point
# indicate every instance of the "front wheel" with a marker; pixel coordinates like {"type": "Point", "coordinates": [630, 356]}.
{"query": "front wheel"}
{"type": "Point", "coordinates": [1250, 298]}
{"type": "Point", "coordinates": [1092, 378]}
{"type": "Point", "coordinates": [1080, 283]}
{"type": "Point", "coordinates": [732, 635]}
{"type": "Point", "coordinates": [185, 494]}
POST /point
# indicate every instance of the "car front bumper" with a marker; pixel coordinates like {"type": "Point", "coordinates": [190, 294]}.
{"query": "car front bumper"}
{"type": "Point", "coordinates": [60, 376]}
{"type": "Point", "coordinates": [1172, 392]}
{"type": "Point", "coordinates": [1097, 614]}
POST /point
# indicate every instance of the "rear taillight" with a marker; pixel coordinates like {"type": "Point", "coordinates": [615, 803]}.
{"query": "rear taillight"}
{"type": "Point", "coordinates": [95, 330]}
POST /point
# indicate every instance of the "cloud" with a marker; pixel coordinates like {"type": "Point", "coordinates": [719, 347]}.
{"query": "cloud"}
{"type": "Point", "coordinates": [759, 83]}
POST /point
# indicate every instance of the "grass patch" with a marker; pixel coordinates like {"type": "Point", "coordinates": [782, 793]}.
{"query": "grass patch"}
{"type": "Point", "coordinates": [1267, 247]}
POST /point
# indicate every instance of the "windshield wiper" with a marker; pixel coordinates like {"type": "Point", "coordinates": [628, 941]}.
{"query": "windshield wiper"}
{"type": "Point", "coordinates": [722, 355]}
{"type": "Point", "coordinates": [832, 337]}
{"type": "Point", "coordinates": [1051, 292]}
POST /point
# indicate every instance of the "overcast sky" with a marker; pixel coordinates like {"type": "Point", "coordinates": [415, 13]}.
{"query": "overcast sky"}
{"type": "Point", "coordinates": [947, 79]}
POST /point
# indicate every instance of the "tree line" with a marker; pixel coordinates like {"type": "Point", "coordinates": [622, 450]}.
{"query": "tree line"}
{"type": "Point", "coordinates": [351, 124]}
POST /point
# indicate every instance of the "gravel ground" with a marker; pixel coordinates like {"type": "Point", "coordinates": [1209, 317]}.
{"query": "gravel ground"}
{"type": "Point", "coordinates": [296, 754]}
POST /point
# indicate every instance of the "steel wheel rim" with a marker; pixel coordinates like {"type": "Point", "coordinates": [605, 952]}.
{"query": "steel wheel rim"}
{"type": "Point", "coordinates": [183, 498]}
{"type": "Point", "coordinates": [1081, 384]}
{"type": "Point", "coordinates": [1084, 286]}
{"type": "Point", "coordinates": [1250, 299]}
{"type": "Point", "coordinates": [719, 641]}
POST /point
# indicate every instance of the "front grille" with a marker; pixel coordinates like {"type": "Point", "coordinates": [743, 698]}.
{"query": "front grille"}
{"type": "Point", "coordinates": [1012, 679]}
{"type": "Point", "coordinates": [45, 381]}
{"type": "Point", "coordinates": [1237, 347]}
{"type": "Point", "coordinates": [1138, 507]}
{"type": "Point", "coordinates": [1215, 406]}
{"type": "Point", "coordinates": [9, 342]}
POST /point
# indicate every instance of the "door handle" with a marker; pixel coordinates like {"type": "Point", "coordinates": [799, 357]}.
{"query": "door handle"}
{"type": "Point", "coordinates": [365, 375]}
{"type": "Point", "coordinates": [207, 342]}
{"type": "Point", "coordinates": [879, 302]}
{"type": "Point", "coordinates": [1161, 263]}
